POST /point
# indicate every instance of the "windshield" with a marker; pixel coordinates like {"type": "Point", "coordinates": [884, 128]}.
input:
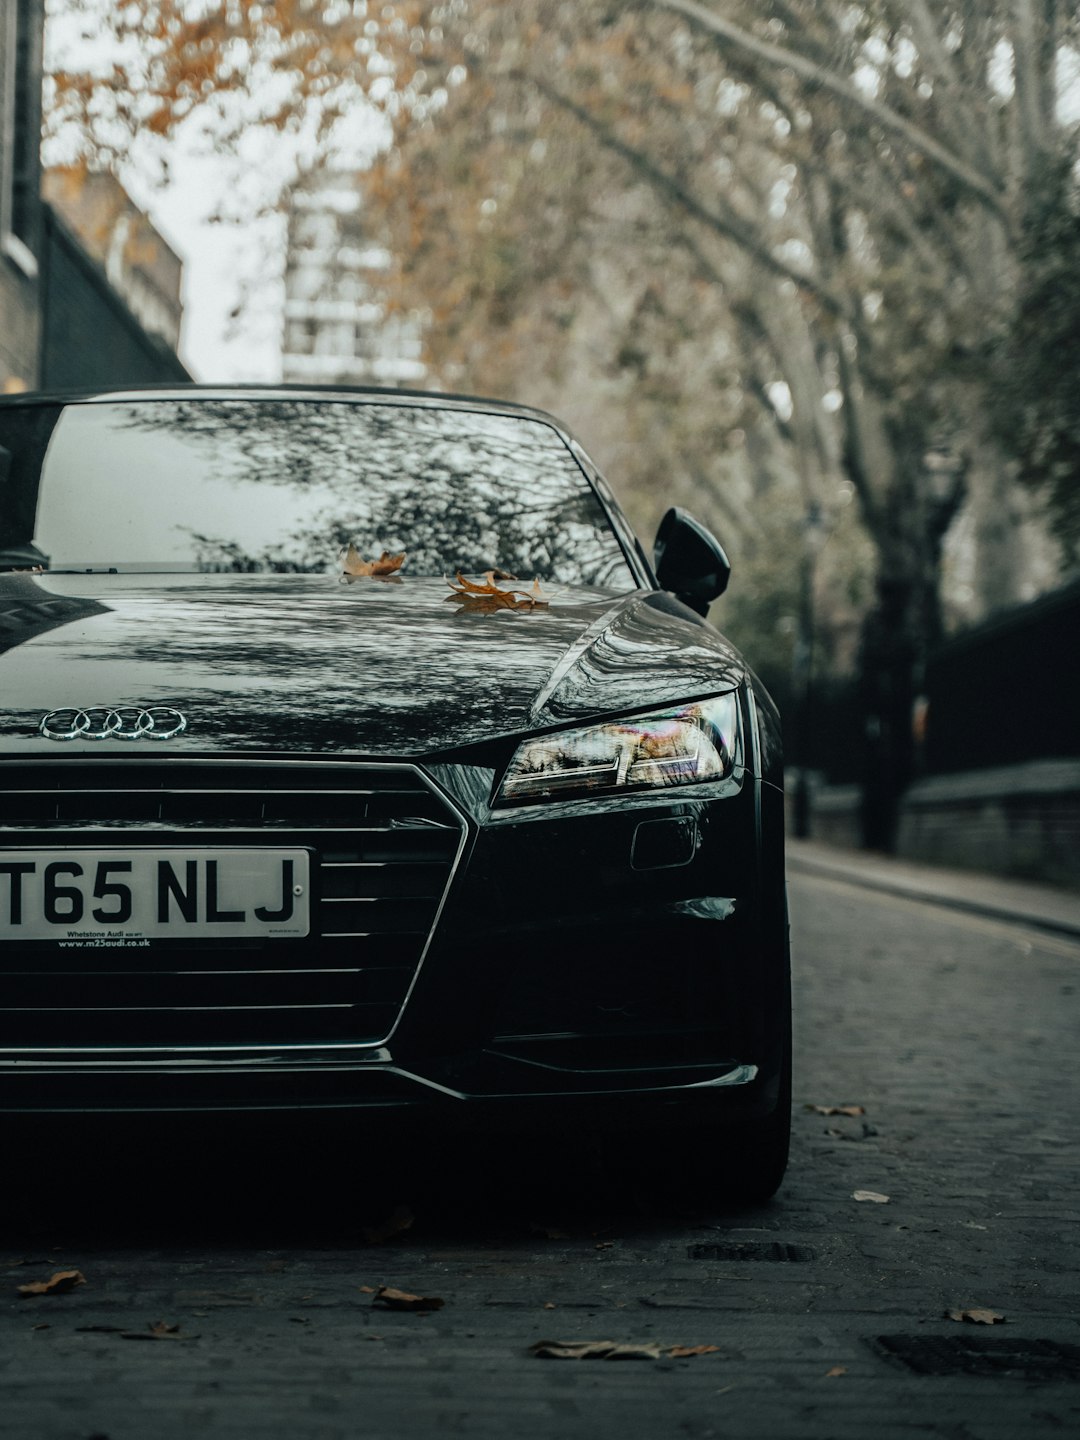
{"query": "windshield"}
{"type": "Point", "coordinates": [281, 484]}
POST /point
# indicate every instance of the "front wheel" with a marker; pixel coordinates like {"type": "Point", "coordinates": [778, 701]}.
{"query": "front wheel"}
{"type": "Point", "coordinates": [742, 1164]}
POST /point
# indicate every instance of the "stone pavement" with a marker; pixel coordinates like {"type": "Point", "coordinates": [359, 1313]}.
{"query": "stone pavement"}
{"type": "Point", "coordinates": [1043, 906]}
{"type": "Point", "coordinates": [953, 1031]}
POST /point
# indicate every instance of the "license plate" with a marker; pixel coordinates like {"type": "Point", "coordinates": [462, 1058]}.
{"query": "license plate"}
{"type": "Point", "coordinates": [131, 897]}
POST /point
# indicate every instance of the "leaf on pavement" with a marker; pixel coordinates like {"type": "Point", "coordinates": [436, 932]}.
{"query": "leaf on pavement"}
{"type": "Point", "coordinates": [977, 1316]}
{"type": "Point", "coordinates": [58, 1284]}
{"type": "Point", "coordinates": [615, 1350]}
{"type": "Point", "coordinates": [852, 1110]}
{"type": "Point", "coordinates": [835, 1371]}
{"type": "Point", "coordinates": [387, 1298]}
{"type": "Point", "coordinates": [872, 1195]}
{"type": "Point", "coordinates": [354, 567]}
{"type": "Point", "coordinates": [396, 1224]}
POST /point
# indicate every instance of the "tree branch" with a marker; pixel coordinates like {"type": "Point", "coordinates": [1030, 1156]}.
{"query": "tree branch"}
{"type": "Point", "coordinates": [730, 226]}
{"type": "Point", "coordinates": [985, 188]}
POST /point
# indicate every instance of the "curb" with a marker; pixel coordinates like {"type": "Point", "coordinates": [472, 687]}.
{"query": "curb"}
{"type": "Point", "coordinates": [853, 875]}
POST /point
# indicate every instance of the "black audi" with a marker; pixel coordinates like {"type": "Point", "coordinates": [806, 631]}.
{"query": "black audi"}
{"type": "Point", "coordinates": [354, 754]}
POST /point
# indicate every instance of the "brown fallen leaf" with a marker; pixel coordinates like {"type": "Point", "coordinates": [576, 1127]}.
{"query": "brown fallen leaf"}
{"type": "Point", "coordinates": [835, 1371]}
{"type": "Point", "coordinates": [852, 1110]}
{"type": "Point", "coordinates": [354, 567]}
{"type": "Point", "coordinates": [490, 596]}
{"type": "Point", "coordinates": [58, 1284]}
{"type": "Point", "coordinates": [387, 1298]}
{"type": "Point", "coordinates": [488, 587]}
{"type": "Point", "coordinates": [976, 1316]}
{"type": "Point", "coordinates": [871, 1195]}
{"type": "Point", "coordinates": [549, 1304]}
{"type": "Point", "coordinates": [486, 604]}
{"type": "Point", "coordinates": [615, 1350]}
{"type": "Point", "coordinates": [367, 1289]}
{"type": "Point", "coordinates": [396, 1224]}
{"type": "Point", "coordinates": [41, 1327]}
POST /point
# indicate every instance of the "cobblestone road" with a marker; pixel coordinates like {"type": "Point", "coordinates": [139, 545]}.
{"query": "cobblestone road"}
{"type": "Point", "coordinates": [957, 1035]}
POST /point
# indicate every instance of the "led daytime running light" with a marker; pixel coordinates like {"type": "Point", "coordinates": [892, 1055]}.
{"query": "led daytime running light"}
{"type": "Point", "coordinates": [673, 747]}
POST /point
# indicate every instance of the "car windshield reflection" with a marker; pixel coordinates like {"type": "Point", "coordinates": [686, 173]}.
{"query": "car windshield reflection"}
{"type": "Point", "coordinates": [281, 485]}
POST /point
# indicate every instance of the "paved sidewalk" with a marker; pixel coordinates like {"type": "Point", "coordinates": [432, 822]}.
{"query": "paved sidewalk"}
{"type": "Point", "coordinates": [1041, 906]}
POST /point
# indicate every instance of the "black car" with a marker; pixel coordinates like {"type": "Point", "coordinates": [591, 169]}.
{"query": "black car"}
{"type": "Point", "coordinates": [354, 754]}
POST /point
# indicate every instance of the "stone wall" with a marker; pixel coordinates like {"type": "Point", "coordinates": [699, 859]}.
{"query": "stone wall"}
{"type": "Point", "coordinates": [1018, 820]}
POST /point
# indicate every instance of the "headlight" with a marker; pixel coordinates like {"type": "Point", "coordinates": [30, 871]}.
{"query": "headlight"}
{"type": "Point", "coordinates": [671, 747]}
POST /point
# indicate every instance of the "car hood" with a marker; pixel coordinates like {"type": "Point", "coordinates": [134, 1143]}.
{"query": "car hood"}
{"type": "Point", "coordinates": [303, 664]}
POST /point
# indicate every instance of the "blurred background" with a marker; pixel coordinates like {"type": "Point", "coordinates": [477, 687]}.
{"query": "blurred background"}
{"type": "Point", "coordinates": [809, 268]}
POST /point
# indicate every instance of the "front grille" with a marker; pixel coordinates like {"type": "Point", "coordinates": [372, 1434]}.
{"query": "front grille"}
{"type": "Point", "coordinates": [384, 845]}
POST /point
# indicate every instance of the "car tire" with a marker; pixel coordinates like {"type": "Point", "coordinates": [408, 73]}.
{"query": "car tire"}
{"type": "Point", "coordinates": [750, 1168]}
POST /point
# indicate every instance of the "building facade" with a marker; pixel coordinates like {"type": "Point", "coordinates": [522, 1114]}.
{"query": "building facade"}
{"type": "Point", "coordinates": [89, 292]}
{"type": "Point", "coordinates": [337, 327]}
{"type": "Point", "coordinates": [139, 263]}
{"type": "Point", "coordinates": [22, 24]}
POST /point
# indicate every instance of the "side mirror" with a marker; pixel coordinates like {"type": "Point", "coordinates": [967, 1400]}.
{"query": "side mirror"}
{"type": "Point", "coordinates": [689, 560]}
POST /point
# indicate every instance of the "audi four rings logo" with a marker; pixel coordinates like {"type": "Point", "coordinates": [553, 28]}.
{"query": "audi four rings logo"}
{"type": "Point", "coordinates": [127, 722]}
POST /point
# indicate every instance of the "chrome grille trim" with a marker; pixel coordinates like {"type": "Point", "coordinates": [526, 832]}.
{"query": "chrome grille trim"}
{"type": "Point", "coordinates": [426, 834]}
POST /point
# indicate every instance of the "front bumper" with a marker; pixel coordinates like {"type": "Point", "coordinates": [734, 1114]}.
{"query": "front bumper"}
{"type": "Point", "coordinates": [611, 957]}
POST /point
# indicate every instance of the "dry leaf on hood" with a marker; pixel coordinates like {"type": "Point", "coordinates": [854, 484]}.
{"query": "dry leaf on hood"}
{"type": "Point", "coordinates": [490, 596]}
{"type": "Point", "coordinates": [977, 1316]}
{"type": "Point", "coordinates": [57, 1284]}
{"type": "Point", "coordinates": [354, 567]}
{"type": "Point", "coordinates": [387, 1298]}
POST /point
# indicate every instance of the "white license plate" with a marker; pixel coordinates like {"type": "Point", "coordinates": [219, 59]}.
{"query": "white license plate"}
{"type": "Point", "coordinates": [131, 897]}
